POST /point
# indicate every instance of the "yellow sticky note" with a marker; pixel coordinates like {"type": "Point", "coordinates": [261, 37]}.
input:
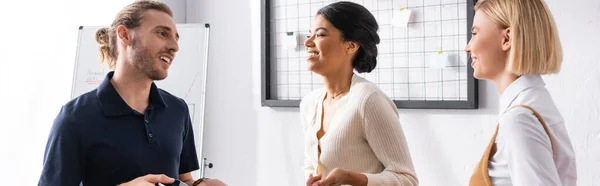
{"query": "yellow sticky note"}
{"type": "Point", "coordinates": [290, 40]}
{"type": "Point", "coordinates": [439, 60]}
{"type": "Point", "coordinates": [402, 17]}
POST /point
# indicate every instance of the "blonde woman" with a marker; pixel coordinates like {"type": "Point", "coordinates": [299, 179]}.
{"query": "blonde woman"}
{"type": "Point", "coordinates": [514, 42]}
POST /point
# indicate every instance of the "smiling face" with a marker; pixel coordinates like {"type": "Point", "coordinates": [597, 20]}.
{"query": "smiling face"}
{"type": "Point", "coordinates": [489, 47]}
{"type": "Point", "coordinates": [154, 45]}
{"type": "Point", "coordinates": [327, 51]}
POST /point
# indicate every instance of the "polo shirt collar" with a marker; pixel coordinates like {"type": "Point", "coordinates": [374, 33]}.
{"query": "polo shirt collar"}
{"type": "Point", "coordinates": [113, 105]}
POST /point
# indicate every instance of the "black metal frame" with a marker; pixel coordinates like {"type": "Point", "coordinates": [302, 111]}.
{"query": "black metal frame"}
{"type": "Point", "coordinates": [268, 100]}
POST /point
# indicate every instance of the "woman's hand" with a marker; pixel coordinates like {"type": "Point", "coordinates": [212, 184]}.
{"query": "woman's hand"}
{"type": "Point", "coordinates": [339, 176]}
{"type": "Point", "coordinates": [335, 178]}
{"type": "Point", "coordinates": [312, 179]}
{"type": "Point", "coordinates": [212, 182]}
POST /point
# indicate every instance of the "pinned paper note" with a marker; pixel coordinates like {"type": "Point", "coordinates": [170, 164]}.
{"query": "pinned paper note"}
{"type": "Point", "coordinates": [402, 17]}
{"type": "Point", "coordinates": [290, 40]}
{"type": "Point", "coordinates": [439, 60]}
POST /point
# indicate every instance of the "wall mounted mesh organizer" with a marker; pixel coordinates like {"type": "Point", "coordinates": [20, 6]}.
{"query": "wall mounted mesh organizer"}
{"type": "Point", "coordinates": [409, 65]}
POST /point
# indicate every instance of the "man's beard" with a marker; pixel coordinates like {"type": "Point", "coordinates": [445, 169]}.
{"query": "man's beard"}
{"type": "Point", "coordinates": [144, 62]}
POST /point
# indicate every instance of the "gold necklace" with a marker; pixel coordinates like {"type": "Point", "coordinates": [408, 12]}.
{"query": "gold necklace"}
{"type": "Point", "coordinates": [336, 95]}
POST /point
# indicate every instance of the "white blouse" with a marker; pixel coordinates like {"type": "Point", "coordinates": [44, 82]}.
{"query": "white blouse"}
{"type": "Point", "coordinates": [524, 154]}
{"type": "Point", "coordinates": [364, 136]}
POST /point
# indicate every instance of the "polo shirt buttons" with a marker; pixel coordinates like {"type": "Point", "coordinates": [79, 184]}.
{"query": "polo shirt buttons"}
{"type": "Point", "coordinates": [149, 134]}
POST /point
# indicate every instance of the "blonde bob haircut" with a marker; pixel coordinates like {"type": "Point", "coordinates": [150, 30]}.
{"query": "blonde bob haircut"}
{"type": "Point", "coordinates": [535, 47]}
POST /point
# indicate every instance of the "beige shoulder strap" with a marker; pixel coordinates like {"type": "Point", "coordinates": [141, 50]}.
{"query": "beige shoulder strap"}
{"type": "Point", "coordinates": [480, 176]}
{"type": "Point", "coordinates": [539, 117]}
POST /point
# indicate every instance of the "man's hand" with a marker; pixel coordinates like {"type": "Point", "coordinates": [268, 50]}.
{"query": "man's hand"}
{"type": "Point", "coordinates": [212, 182]}
{"type": "Point", "coordinates": [149, 180]}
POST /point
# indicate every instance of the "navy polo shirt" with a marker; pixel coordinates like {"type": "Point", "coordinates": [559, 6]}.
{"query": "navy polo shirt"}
{"type": "Point", "coordinates": [98, 139]}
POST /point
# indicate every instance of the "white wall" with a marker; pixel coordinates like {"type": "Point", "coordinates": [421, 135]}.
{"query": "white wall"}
{"type": "Point", "coordinates": [230, 132]}
{"type": "Point", "coordinates": [252, 145]}
{"type": "Point", "coordinates": [38, 52]}
{"type": "Point", "coordinates": [178, 8]}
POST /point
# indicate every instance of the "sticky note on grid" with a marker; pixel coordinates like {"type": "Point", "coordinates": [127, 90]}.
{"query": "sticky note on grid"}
{"type": "Point", "coordinates": [290, 40]}
{"type": "Point", "coordinates": [439, 60]}
{"type": "Point", "coordinates": [402, 17]}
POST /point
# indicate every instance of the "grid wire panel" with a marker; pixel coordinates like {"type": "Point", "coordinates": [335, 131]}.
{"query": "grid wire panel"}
{"type": "Point", "coordinates": [402, 71]}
